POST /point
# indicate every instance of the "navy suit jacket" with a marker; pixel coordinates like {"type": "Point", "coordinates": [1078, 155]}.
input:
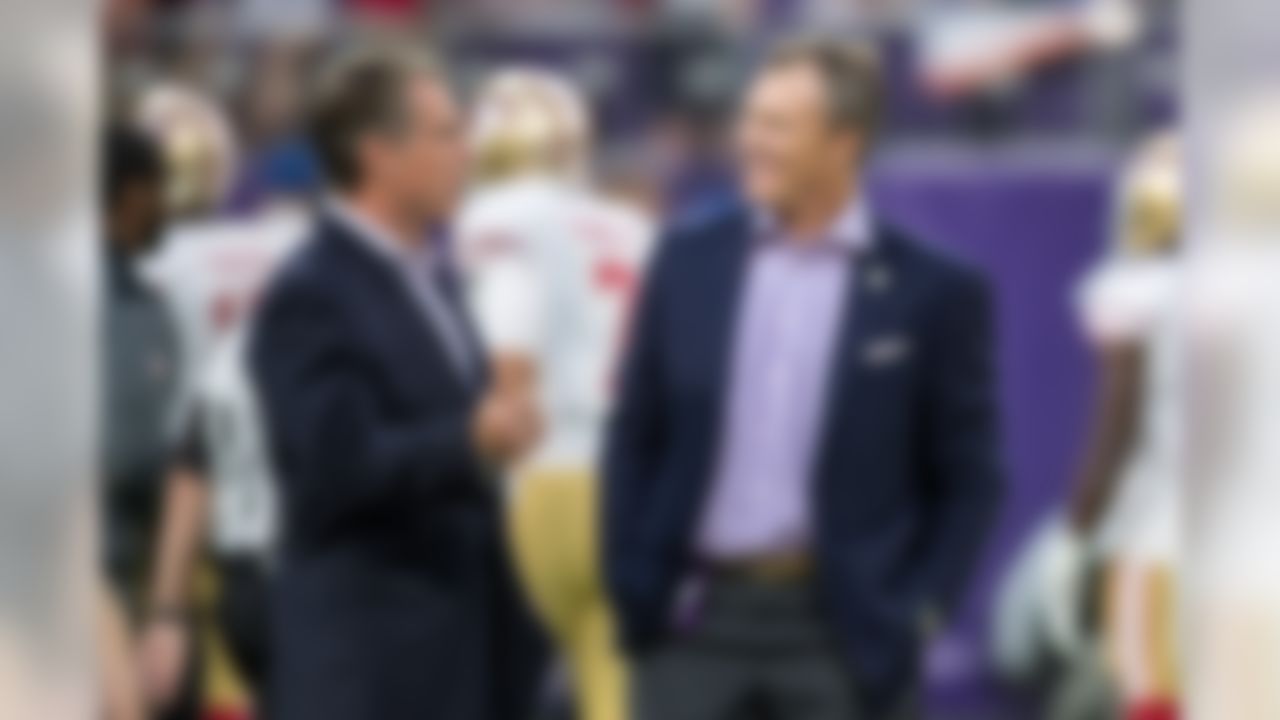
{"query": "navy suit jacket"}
{"type": "Point", "coordinates": [907, 479]}
{"type": "Point", "coordinates": [392, 598]}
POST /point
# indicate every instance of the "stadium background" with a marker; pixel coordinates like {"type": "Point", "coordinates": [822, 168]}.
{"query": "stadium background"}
{"type": "Point", "coordinates": [1006, 123]}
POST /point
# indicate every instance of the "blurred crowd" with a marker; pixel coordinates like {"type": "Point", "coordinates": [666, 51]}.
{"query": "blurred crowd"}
{"type": "Point", "coordinates": [662, 75]}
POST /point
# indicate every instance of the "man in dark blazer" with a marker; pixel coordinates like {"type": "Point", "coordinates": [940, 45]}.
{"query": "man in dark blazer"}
{"type": "Point", "coordinates": [803, 463]}
{"type": "Point", "coordinates": [393, 601]}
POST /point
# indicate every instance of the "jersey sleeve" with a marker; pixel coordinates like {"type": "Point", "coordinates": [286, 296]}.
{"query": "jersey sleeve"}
{"type": "Point", "coordinates": [1120, 304]}
{"type": "Point", "coordinates": [505, 287]}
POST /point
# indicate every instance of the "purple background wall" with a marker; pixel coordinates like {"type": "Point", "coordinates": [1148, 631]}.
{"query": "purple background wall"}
{"type": "Point", "coordinates": [1033, 224]}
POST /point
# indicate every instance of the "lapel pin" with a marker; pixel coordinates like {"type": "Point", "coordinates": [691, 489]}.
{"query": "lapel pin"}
{"type": "Point", "coordinates": [878, 279]}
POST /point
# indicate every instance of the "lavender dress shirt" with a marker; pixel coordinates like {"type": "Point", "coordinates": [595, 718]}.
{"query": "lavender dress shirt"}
{"type": "Point", "coordinates": [785, 339]}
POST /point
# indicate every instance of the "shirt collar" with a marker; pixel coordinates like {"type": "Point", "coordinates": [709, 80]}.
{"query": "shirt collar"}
{"type": "Point", "coordinates": [852, 230]}
{"type": "Point", "coordinates": [371, 233]}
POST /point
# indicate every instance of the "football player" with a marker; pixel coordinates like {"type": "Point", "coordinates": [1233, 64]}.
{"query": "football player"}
{"type": "Point", "coordinates": [211, 270]}
{"type": "Point", "coordinates": [551, 267]}
{"type": "Point", "coordinates": [1124, 509]}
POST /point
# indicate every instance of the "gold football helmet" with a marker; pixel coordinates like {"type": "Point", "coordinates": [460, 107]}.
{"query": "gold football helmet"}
{"type": "Point", "coordinates": [530, 121]}
{"type": "Point", "coordinates": [198, 144]}
{"type": "Point", "coordinates": [1150, 203]}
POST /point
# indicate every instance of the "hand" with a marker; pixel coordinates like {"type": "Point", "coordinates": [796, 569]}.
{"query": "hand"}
{"type": "Point", "coordinates": [1062, 569]}
{"type": "Point", "coordinates": [505, 426]}
{"type": "Point", "coordinates": [164, 651]}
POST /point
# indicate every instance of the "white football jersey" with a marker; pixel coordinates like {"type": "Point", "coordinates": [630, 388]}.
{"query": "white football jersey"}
{"type": "Point", "coordinates": [212, 274]}
{"type": "Point", "coordinates": [551, 272]}
{"type": "Point", "coordinates": [1136, 301]}
{"type": "Point", "coordinates": [231, 431]}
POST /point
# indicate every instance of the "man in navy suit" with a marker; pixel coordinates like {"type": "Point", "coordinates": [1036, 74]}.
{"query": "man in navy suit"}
{"type": "Point", "coordinates": [803, 463]}
{"type": "Point", "coordinates": [393, 601]}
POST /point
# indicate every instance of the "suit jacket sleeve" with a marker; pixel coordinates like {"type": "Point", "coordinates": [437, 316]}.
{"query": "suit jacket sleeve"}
{"type": "Point", "coordinates": [636, 431]}
{"type": "Point", "coordinates": [961, 437]}
{"type": "Point", "coordinates": [317, 394]}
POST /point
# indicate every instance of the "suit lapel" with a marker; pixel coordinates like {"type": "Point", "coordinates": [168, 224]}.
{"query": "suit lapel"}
{"type": "Point", "coordinates": [722, 281]}
{"type": "Point", "coordinates": [871, 309]}
{"type": "Point", "coordinates": [453, 291]}
{"type": "Point", "coordinates": [398, 307]}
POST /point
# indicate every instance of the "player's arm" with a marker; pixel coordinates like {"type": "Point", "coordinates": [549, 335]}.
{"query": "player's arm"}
{"type": "Point", "coordinates": [121, 698]}
{"type": "Point", "coordinates": [507, 294]}
{"type": "Point", "coordinates": [1114, 314]}
{"type": "Point", "coordinates": [1114, 431]}
{"type": "Point", "coordinates": [182, 529]}
{"type": "Point", "coordinates": [165, 643]}
{"type": "Point", "coordinates": [1114, 322]}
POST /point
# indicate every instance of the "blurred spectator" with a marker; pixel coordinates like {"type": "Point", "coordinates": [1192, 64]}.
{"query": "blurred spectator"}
{"type": "Point", "coordinates": [292, 20]}
{"type": "Point", "coordinates": [142, 388]}
{"type": "Point", "coordinates": [279, 163]}
{"type": "Point", "coordinates": [142, 384]}
{"type": "Point", "coordinates": [389, 10]}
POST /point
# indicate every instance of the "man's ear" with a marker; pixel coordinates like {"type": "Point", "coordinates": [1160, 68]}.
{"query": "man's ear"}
{"type": "Point", "coordinates": [370, 151]}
